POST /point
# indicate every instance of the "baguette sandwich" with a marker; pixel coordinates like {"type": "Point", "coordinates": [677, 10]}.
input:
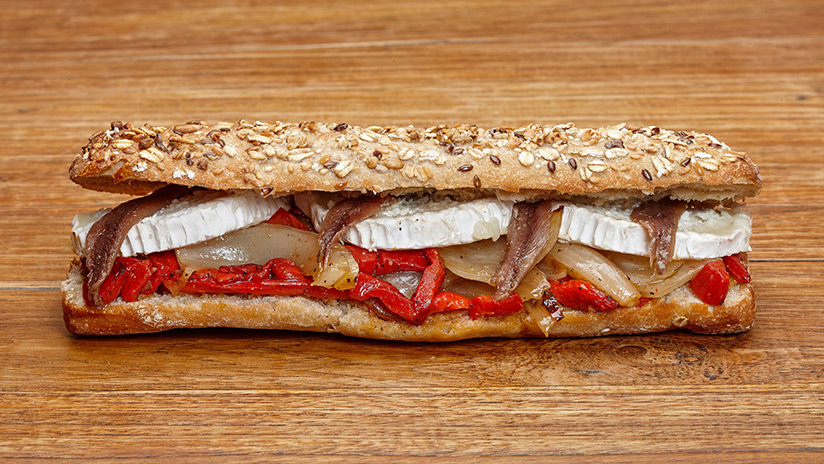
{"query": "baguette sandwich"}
{"type": "Point", "coordinates": [422, 234]}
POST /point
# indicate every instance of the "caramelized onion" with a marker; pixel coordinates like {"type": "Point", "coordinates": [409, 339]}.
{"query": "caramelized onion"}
{"type": "Point", "coordinates": [533, 285]}
{"type": "Point", "coordinates": [638, 270]}
{"type": "Point", "coordinates": [540, 315]}
{"type": "Point", "coordinates": [552, 269]}
{"type": "Point", "coordinates": [684, 274]}
{"type": "Point", "coordinates": [258, 244]}
{"type": "Point", "coordinates": [587, 264]}
{"type": "Point", "coordinates": [474, 261]}
{"type": "Point", "coordinates": [340, 272]}
{"type": "Point", "coordinates": [470, 288]}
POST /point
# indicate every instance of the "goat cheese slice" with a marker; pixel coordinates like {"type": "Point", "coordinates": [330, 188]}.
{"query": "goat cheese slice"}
{"type": "Point", "coordinates": [197, 217]}
{"type": "Point", "coordinates": [701, 234]}
{"type": "Point", "coordinates": [422, 222]}
{"type": "Point", "coordinates": [418, 222]}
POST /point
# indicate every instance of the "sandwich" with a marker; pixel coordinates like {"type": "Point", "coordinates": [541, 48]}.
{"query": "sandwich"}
{"type": "Point", "coordinates": [410, 233]}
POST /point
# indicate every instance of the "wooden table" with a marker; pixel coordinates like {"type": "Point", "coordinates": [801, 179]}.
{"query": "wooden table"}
{"type": "Point", "coordinates": [749, 72]}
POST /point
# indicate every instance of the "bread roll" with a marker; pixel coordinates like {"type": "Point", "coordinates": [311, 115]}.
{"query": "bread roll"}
{"type": "Point", "coordinates": [617, 164]}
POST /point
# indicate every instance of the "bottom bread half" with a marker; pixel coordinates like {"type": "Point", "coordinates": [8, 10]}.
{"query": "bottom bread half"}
{"type": "Point", "coordinates": [679, 310]}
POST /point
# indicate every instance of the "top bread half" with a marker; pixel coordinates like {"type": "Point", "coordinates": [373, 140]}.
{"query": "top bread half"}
{"type": "Point", "coordinates": [563, 161]}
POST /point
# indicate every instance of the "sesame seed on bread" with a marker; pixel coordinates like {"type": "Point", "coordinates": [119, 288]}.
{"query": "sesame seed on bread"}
{"type": "Point", "coordinates": [617, 163]}
{"type": "Point", "coordinates": [562, 161]}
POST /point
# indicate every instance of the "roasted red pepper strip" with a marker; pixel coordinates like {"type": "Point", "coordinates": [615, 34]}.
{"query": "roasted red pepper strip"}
{"type": "Point", "coordinates": [285, 218]}
{"type": "Point", "coordinates": [372, 287]}
{"type": "Point", "coordinates": [390, 261]}
{"type": "Point", "coordinates": [581, 295]}
{"type": "Point", "coordinates": [220, 276]}
{"type": "Point", "coordinates": [110, 288]}
{"type": "Point", "coordinates": [287, 270]}
{"type": "Point", "coordinates": [367, 260]}
{"type": "Point", "coordinates": [127, 279]}
{"type": "Point", "coordinates": [737, 269]}
{"type": "Point", "coordinates": [430, 284]}
{"type": "Point", "coordinates": [487, 305]}
{"type": "Point", "coordinates": [254, 287]}
{"type": "Point", "coordinates": [165, 268]}
{"type": "Point", "coordinates": [138, 273]}
{"type": "Point", "coordinates": [449, 301]}
{"type": "Point", "coordinates": [131, 277]}
{"type": "Point", "coordinates": [711, 283]}
{"type": "Point", "coordinates": [274, 269]}
{"type": "Point", "coordinates": [244, 272]}
{"type": "Point", "coordinates": [165, 259]}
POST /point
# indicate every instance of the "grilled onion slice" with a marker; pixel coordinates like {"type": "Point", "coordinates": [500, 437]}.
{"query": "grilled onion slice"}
{"type": "Point", "coordinates": [474, 261]}
{"type": "Point", "coordinates": [585, 263]}
{"type": "Point", "coordinates": [470, 288]}
{"type": "Point", "coordinates": [263, 242]}
{"type": "Point", "coordinates": [638, 270]}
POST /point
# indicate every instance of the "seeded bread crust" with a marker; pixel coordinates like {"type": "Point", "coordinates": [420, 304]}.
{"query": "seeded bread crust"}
{"type": "Point", "coordinates": [679, 310]}
{"type": "Point", "coordinates": [562, 161]}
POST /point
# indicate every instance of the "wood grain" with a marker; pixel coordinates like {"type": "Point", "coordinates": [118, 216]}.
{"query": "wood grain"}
{"type": "Point", "coordinates": [751, 73]}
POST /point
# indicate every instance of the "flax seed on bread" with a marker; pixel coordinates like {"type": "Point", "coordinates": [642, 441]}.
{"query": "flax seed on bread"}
{"type": "Point", "coordinates": [609, 164]}
{"type": "Point", "coordinates": [561, 161]}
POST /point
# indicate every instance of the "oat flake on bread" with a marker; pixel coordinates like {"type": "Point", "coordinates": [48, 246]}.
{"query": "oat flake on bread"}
{"type": "Point", "coordinates": [421, 266]}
